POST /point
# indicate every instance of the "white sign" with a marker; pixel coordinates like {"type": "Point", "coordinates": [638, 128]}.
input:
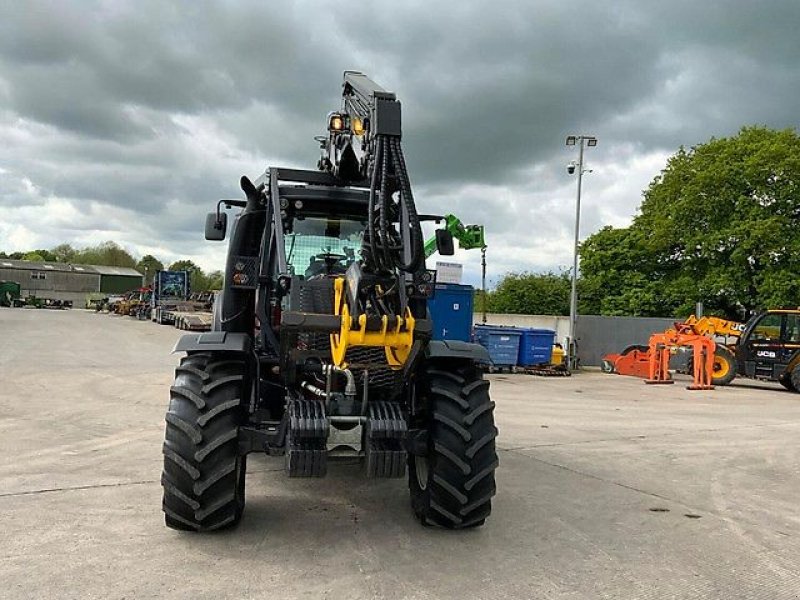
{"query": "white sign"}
{"type": "Point", "coordinates": [447, 272]}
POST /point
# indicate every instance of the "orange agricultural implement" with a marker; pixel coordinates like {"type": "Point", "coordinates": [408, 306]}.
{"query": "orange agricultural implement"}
{"type": "Point", "coordinates": [635, 360]}
{"type": "Point", "coordinates": [663, 345]}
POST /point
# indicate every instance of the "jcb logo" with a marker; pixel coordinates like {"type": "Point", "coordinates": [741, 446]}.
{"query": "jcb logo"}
{"type": "Point", "coordinates": [765, 354]}
{"type": "Point", "coordinates": [738, 327]}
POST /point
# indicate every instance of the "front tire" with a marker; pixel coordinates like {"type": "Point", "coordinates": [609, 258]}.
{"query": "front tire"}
{"type": "Point", "coordinates": [724, 366]}
{"type": "Point", "coordinates": [453, 484]}
{"type": "Point", "coordinates": [794, 379]}
{"type": "Point", "coordinates": [204, 475]}
{"type": "Point", "coordinates": [786, 381]}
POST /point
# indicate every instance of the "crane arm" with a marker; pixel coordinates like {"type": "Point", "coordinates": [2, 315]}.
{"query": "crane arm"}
{"type": "Point", "coordinates": [712, 326]}
{"type": "Point", "coordinates": [362, 148]}
{"type": "Point", "coordinates": [468, 236]}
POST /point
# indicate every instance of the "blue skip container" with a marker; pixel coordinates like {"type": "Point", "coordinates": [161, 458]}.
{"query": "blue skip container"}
{"type": "Point", "coordinates": [535, 347]}
{"type": "Point", "coordinates": [501, 342]}
{"type": "Point", "coordinates": [451, 311]}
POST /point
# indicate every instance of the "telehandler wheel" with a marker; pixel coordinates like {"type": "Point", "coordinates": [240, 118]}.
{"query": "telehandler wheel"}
{"type": "Point", "coordinates": [204, 475]}
{"type": "Point", "coordinates": [786, 381]}
{"type": "Point", "coordinates": [724, 366]}
{"type": "Point", "coordinates": [794, 380]}
{"type": "Point", "coordinates": [452, 486]}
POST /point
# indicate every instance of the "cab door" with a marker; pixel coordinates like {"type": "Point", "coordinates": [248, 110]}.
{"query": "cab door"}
{"type": "Point", "coordinates": [791, 341]}
{"type": "Point", "coordinates": [763, 348]}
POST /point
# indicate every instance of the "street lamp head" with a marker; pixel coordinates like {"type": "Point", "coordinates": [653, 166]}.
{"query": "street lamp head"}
{"type": "Point", "coordinates": [571, 140]}
{"type": "Point", "coordinates": [591, 141]}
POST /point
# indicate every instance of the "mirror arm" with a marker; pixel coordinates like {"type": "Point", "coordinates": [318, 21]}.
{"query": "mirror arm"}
{"type": "Point", "coordinates": [229, 204]}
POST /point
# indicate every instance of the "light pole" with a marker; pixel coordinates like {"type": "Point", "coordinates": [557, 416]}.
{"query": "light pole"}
{"type": "Point", "coordinates": [572, 140]}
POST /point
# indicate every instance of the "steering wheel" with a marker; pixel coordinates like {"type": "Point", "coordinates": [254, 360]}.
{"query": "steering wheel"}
{"type": "Point", "coordinates": [330, 258]}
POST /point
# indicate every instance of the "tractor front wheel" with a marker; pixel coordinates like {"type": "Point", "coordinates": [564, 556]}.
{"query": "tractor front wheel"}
{"type": "Point", "coordinates": [452, 484]}
{"type": "Point", "coordinates": [204, 474]}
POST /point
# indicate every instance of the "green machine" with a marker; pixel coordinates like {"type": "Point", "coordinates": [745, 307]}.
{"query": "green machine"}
{"type": "Point", "coordinates": [9, 293]}
{"type": "Point", "coordinates": [469, 237]}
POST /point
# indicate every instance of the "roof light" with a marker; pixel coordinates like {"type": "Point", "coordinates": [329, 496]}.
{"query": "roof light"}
{"type": "Point", "coordinates": [336, 122]}
{"type": "Point", "coordinates": [358, 126]}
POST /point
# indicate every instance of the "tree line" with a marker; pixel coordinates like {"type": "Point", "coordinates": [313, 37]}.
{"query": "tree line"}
{"type": "Point", "coordinates": [113, 255]}
{"type": "Point", "coordinates": [719, 225]}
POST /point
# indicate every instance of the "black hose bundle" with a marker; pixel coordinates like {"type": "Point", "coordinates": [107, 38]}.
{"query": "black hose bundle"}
{"type": "Point", "coordinates": [383, 246]}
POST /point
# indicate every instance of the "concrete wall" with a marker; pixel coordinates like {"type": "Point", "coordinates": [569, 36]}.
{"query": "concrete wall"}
{"type": "Point", "coordinates": [596, 335]}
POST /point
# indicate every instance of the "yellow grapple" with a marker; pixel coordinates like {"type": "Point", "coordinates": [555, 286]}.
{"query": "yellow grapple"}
{"type": "Point", "coordinates": [396, 341]}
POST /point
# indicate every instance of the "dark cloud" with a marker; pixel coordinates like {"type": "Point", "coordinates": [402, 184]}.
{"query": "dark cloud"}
{"type": "Point", "coordinates": [127, 119]}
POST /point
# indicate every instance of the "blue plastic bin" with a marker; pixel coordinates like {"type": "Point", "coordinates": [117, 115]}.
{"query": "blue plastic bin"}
{"type": "Point", "coordinates": [535, 347]}
{"type": "Point", "coordinates": [501, 342]}
{"type": "Point", "coordinates": [451, 311]}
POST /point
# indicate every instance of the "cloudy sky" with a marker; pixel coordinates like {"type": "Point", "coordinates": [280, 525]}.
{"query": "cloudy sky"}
{"type": "Point", "coordinates": [125, 121]}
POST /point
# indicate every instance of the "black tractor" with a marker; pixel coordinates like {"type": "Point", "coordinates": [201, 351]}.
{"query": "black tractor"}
{"type": "Point", "coordinates": [321, 344]}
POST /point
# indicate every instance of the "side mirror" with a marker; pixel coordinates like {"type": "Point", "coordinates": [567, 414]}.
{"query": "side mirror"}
{"type": "Point", "coordinates": [216, 225]}
{"type": "Point", "coordinates": [444, 242]}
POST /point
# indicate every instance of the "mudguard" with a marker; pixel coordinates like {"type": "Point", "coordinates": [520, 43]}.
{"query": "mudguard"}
{"type": "Point", "coordinates": [214, 341]}
{"type": "Point", "coordinates": [456, 349]}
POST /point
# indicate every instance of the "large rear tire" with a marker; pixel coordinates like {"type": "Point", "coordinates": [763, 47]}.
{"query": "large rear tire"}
{"type": "Point", "coordinates": [724, 366]}
{"type": "Point", "coordinates": [204, 475]}
{"type": "Point", "coordinates": [453, 484]}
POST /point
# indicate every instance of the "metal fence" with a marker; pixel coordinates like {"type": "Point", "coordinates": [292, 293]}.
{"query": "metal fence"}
{"type": "Point", "coordinates": [597, 336]}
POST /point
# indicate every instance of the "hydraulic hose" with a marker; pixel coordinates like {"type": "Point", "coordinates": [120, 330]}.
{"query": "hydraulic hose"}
{"type": "Point", "coordinates": [384, 249]}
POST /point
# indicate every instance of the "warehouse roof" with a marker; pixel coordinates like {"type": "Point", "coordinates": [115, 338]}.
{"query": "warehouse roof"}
{"type": "Point", "coordinates": [8, 263]}
{"type": "Point", "coordinates": [104, 270]}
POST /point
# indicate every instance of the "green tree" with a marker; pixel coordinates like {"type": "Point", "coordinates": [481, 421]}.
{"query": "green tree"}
{"type": "Point", "coordinates": [34, 256]}
{"type": "Point", "coordinates": [719, 225]}
{"type": "Point", "coordinates": [531, 294]}
{"type": "Point", "coordinates": [147, 266]}
{"type": "Point", "coordinates": [215, 280]}
{"type": "Point", "coordinates": [64, 253]}
{"type": "Point", "coordinates": [108, 253]}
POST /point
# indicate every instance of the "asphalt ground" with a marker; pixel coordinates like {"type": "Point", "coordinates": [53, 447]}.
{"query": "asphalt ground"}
{"type": "Point", "coordinates": [607, 488]}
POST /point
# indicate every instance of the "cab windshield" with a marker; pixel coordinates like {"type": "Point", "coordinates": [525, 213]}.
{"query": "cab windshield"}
{"type": "Point", "coordinates": [323, 245]}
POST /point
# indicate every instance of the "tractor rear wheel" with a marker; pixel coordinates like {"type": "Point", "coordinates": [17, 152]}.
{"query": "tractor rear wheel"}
{"type": "Point", "coordinates": [453, 483]}
{"type": "Point", "coordinates": [724, 366]}
{"type": "Point", "coordinates": [204, 475]}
